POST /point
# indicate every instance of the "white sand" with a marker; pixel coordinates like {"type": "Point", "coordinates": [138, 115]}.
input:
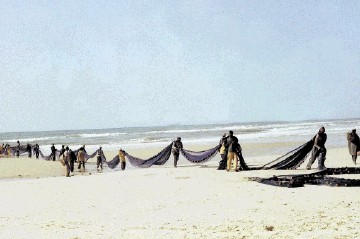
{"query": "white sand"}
{"type": "Point", "coordinates": [163, 202]}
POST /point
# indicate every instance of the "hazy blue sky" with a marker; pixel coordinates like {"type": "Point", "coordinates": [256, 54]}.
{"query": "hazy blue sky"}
{"type": "Point", "coordinates": [97, 64]}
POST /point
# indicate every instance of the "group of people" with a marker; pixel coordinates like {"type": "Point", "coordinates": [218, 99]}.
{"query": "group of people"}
{"type": "Point", "coordinates": [229, 148]}
{"type": "Point", "coordinates": [6, 150]}
{"type": "Point", "coordinates": [231, 152]}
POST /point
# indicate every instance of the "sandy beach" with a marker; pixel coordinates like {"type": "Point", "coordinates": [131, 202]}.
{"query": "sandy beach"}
{"type": "Point", "coordinates": [191, 201]}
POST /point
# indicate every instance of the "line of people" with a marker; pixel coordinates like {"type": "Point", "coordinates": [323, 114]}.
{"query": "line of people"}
{"type": "Point", "coordinates": [230, 151]}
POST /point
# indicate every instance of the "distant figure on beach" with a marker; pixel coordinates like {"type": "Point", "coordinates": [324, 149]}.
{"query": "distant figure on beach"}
{"type": "Point", "coordinates": [62, 150]}
{"type": "Point", "coordinates": [66, 157]}
{"type": "Point", "coordinates": [81, 158]}
{"type": "Point", "coordinates": [319, 150]}
{"type": "Point", "coordinates": [72, 156]}
{"type": "Point", "coordinates": [36, 150]}
{"type": "Point", "coordinates": [29, 150]}
{"type": "Point", "coordinates": [232, 143]}
{"type": "Point", "coordinates": [122, 159]}
{"type": "Point", "coordinates": [100, 154]}
{"type": "Point", "coordinates": [223, 153]}
{"type": "Point", "coordinates": [53, 152]}
{"type": "Point", "coordinates": [7, 150]}
{"type": "Point", "coordinates": [17, 150]}
{"type": "Point", "coordinates": [353, 144]}
{"type": "Point", "coordinates": [83, 148]}
{"type": "Point", "coordinates": [2, 150]}
{"type": "Point", "coordinates": [177, 145]}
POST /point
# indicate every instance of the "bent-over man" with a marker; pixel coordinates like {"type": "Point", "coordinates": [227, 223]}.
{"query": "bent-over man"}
{"type": "Point", "coordinates": [319, 150]}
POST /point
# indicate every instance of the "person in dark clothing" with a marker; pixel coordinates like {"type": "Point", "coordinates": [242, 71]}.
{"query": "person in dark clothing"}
{"type": "Point", "coordinates": [53, 152]}
{"type": "Point", "coordinates": [72, 156]}
{"type": "Point", "coordinates": [319, 150]}
{"type": "Point", "coordinates": [100, 154]}
{"type": "Point", "coordinates": [223, 153]}
{"type": "Point", "coordinates": [240, 158]}
{"type": "Point", "coordinates": [36, 150]}
{"type": "Point", "coordinates": [177, 145]}
{"type": "Point", "coordinates": [83, 148]}
{"type": "Point", "coordinates": [353, 144]}
{"type": "Point", "coordinates": [62, 150]}
{"type": "Point", "coordinates": [66, 157]}
{"type": "Point", "coordinates": [232, 143]}
{"type": "Point", "coordinates": [29, 150]}
{"type": "Point", "coordinates": [17, 150]}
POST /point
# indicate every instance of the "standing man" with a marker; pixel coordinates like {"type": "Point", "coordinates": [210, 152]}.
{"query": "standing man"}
{"type": "Point", "coordinates": [177, 145]}
{"type": "Point", "coordinates": [100, 154]}
{"type": "Point", "coordinates": [319, 150]}
{"type": "Point", "coordinates": [81, 158]}
{"type": "Point", "coordinates": [29, 150]}
{"type": "Point", "coordinates": [122, 159]}
{"type": "Point", "coordinates": [53, 152]}
{"type": "Point", "coordinates": [72, 156]}
{"type": "Point", "coordinates": [232, 143]}
{"type": "Point", "coordinates": [17, 151]}
{"type": "Point", "coordinates": [36, 150]}
{"type": "Point", "coordinates": [62, 150]}
{"type": "Point", "coordinates": [223, 153]}
{"type": "Point", "coordinates": [353, 144]}
{"type": "Point", "coordinates": [66, 157]}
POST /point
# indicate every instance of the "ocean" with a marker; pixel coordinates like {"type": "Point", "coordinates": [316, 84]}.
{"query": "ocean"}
{"type": "Point", "coordinates": [256, 132]}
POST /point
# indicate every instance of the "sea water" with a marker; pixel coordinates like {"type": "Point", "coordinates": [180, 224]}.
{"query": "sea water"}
{"type": "Point", "coordinates": [248, 133]}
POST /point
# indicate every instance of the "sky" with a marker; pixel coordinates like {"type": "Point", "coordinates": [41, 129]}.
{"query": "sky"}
{"type": "Point", "coordinates": [108, 64]}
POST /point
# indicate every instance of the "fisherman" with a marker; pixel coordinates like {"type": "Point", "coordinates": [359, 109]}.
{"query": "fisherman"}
{"type": "Point", "coordinates": [66, 158]}
{"type": "Point", "coordinates": [53, 152]}
{"type": "Point", "coordinates": [240, 158]}
{"type": "Point", "coordinates": [318, 150]}
{"type": "Point", "coordinates": [2, 150]}
{"type": "Point", "coordinates": [29, 150]}
{"type": "Point", "coordinates": [72, 156]}
{"type": "Point", "coordinates": [353, 144]}
{"type": "Point", "coordinates": [83, 148]}
{"type": "Point", "coordinates": [231, 142]}
{"type": "Point", "coordinates": [81, 158]}
{"type": "Point", "coordinates": [223, 153]}
{"type": "Point", "coordinates": [36, 150]}
{"type": "Point", "coordinates": [17, 149]}
{"type": "Point", "coordinates": [122, 159]}
{"type": "Point", "coordinates": [100, 155]}
{"type": "Point", "coordinates": [176, 146]}
{"type": "Point", "coordinates": [7, 150]}
{"type": "Point", "coordinates": [62, 150]}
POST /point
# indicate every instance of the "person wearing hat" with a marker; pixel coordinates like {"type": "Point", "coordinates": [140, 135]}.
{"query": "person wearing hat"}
{"type": "Point", "coordinates": [318, 150]}
{"type": "Point", "coordinates": [176, 146]}
{"type": "Point", "coordinates": [223, 153]}
{"type": "Point", "coordinates": [353, 144]}
{"type": "Point", "coordinates": [100, 154]}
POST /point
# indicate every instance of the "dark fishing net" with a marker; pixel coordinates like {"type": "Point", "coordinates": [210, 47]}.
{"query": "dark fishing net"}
{"type": "Point", "coordinates": [292, 159]}
{"type": "Point", "coordinates": [114, 162]}
{"type": "Point", "coordinates": [317, 178]}
{"type": "Point", "coordinates": [49, 157]}
{"type": "Point", "coordinates": [200, 157]}
{"type": "Point", "coordinates": [160, 159]}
